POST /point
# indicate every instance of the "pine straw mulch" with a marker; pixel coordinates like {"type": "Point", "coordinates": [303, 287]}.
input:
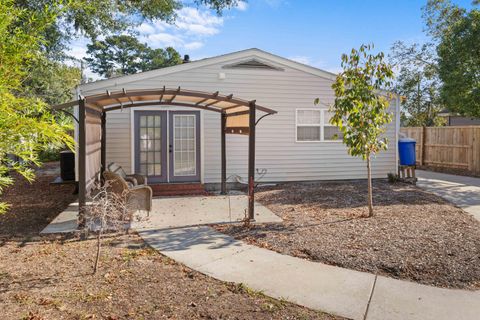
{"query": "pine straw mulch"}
{"type": "Point", "coordinates": [51, 277]}
{"type": "Point", "coordinates": [414, 235]}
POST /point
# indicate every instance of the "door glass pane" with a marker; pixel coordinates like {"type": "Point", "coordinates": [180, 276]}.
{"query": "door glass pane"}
{"type": "Point", "coordinates": [150, 141]}
{"type": "Point", "coordinates": [184, 145]}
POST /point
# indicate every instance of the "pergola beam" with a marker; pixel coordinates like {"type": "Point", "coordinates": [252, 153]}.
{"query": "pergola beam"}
{"type": "Point", "coordinates": [251, 161]}
{"type": "Point", "coordinates": [187, 93]}
{"type": "Point", "coordinates": [82, 147]}
{"type": "Point", "coordinates": [103, 146]}
{"type": "Point", "coordinates": [174, 95]}
{"type": "Point", "coordinates": [161, 95]}
{"type": "Point", "coordinates": [165, 103]}
{"type": "Point", "coordinates": [223, 128]}
{"type": "Point", "coordinates": [125, 94]}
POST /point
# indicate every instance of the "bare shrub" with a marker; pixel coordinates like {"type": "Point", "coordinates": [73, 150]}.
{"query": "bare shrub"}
{"type": "Point", "coordinates": [107, 212]}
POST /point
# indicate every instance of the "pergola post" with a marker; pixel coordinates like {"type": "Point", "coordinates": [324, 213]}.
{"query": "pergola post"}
{"type": "Point", "coordinates": [82, 187]}
{"type": "Point", "coordinates": [103, 146]}
{"type": "Point", "coordinates": [251, 160]}
{"type": "Point", "coordinates": [223, 119]}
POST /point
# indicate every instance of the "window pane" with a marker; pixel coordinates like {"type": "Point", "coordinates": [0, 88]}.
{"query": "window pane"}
{"type": "Point", "coordinates": [151, 170]}
{"type": "Point", "coordinates": [150, 121]}
{"type": "Point", "coordinates": [308, 133]}
{"type": "Point", "coordinates": [150, 132]}
{"type": "Point", "coordinates": [150, 157]}
{"type": "Point", "coordinates": [308, 116]}
{"type": "Point", "coordinates": [158, 145]}
{"type": "Point", "coordinates": [332, 133]}
{"type": "Point", "coordinates": [326, 117]}
{"type": "Point", "coordinates": [157, 133]}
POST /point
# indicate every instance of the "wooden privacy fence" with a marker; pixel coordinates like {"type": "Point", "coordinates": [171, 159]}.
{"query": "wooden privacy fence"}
{"type": "Point", "coordinates": [449, 147]}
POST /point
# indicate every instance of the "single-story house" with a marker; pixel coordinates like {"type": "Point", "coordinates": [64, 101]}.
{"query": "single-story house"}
{"type": "Point", "coordinates": [296, 144]}
{"type": "Point", "coordinates": [160, 123]}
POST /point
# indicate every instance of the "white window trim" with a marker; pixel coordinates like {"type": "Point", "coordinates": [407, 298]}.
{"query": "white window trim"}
{"type": "Point", "coordinates": [322, 125]}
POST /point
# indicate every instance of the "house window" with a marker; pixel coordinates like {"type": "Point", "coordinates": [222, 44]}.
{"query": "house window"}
{"type": "Point", "coordinates": [309, 125]}
{"type": "Point", "coordinates": [313, 126]}
{"type": "Point", "coordinates": [330, 131]}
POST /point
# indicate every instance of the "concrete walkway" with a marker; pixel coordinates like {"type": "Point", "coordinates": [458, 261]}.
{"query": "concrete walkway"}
{"type": "Point", "coordinates": [339, 291]}
{"type": "Point", "coordinates": [461, 191]}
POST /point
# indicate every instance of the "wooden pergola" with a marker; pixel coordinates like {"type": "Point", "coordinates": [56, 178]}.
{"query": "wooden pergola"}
{"type": "Point", "coordinates": [238, 116]}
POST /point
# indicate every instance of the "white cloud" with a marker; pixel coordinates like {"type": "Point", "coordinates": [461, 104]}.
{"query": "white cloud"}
{"type": "Point", "coordinates": [188, 32]}
{"type": "Point", "coordinates": [164, 40]}
{"type": "Point", "coordinates": [146, 28]}
{"type": "Point", "coordinates": [193, 45]}
{"type": "Point", "coordinates": [198, 22]}
{"type": "Point", "coordinates": [242, 6]}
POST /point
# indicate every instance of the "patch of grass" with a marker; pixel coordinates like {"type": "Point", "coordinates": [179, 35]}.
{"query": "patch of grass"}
{"type": "Point", "coordinates": [4, 275]}
{"type": "Point", "coordinates": [132, 254]}
{"type": "Point", "coordinates": [97, 296]}
{"type": "Point", "coordinates": [241, 288]}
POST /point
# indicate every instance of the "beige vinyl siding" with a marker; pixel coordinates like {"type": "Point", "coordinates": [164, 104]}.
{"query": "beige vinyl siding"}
{"type": "Point", "coordinates": [276, 148]}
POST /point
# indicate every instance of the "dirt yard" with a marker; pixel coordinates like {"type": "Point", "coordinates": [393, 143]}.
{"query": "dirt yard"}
{"type": "Point", "coordinates": [51, 278]}
{"type": "Point", "coordinates": [414, 235]}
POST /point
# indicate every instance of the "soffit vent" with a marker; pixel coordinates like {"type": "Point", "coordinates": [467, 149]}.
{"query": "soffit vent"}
{"type": "Point", "coordinates": [252, 64]}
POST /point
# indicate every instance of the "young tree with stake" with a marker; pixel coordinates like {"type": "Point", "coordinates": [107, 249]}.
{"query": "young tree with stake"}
{"type": "Point", "coordinates": [361, 109]}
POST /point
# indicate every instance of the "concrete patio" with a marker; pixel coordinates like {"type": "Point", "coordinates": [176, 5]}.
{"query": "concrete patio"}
{"type": "Point", "coordinates": [175, 212]}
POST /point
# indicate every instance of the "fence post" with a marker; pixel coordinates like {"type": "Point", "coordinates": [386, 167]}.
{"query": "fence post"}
{"type": "Point", "coordinates": [475, 150]}
{"type": "Point", "coordinates": [422, 146]}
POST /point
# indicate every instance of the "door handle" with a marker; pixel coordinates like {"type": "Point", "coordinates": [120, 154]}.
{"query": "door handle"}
{"type": "Point", "coordinates": [170, 149]}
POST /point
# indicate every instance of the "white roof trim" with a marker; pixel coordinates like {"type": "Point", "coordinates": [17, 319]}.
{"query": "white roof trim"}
{"type": "Point", "coordinates": [249, 53]}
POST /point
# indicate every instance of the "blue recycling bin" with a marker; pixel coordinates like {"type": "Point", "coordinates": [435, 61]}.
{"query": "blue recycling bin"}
{"type": "Point", "coordinates": [406, 151]}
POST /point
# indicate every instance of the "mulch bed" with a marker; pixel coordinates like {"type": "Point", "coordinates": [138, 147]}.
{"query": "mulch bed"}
{"type": "Point", "coordinates": [34, 205]}
{"type": "Point", "coordinates": [414, 235]}
{"type": "Point", "coordinates": [51, 277]}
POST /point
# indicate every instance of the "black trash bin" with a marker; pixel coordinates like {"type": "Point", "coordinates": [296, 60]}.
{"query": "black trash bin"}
{"type": "Point", "coordinates": [67, 165]}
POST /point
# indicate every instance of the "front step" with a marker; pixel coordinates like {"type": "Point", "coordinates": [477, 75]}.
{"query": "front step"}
{"type": "Point", "coordinates": [178, 189]}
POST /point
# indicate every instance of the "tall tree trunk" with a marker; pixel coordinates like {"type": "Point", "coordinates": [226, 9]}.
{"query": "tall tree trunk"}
{"type": "Point", "coordinates": [370, 191]}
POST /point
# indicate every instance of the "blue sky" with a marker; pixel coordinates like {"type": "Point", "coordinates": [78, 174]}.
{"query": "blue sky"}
{"type": "Point", "coordinates": [309, 31]}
